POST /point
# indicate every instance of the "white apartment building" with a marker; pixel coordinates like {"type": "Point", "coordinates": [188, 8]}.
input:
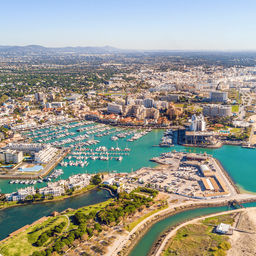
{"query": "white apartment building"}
{"type": "Point", "coordinates": [45, 155]}
{"type": "Point", "coordinates": [161, 104]}
{"type": "Point", "coordinates": [26, 147]}
{"type": "Point", "coordinates": [42, 153]}
{"type": "Point", "coordinates": [52, 190]}
{"type": "Point", "coordinates": [198, 123]}
{"type": "Point", "coordinates": [55, 105]}
{"type": "Point", "coordinates": [148, 103]}
{"type": "Point", "coordinates": [139, 102]}
{"type": "Point", "coordinates": [11, 156]}
{"type": "Point", "coordinates": [217, 96]}
{"type": "Point", "coordinates": [215, 110]}
{"type": "Point", "coordinates": [114, 108]}
{"type": "Point", "coordinates": [21, 194]}
{"type": "Point", "coordinates": [39, 96]}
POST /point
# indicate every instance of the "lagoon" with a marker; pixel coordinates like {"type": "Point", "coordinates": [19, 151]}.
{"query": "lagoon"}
{"type": "Point", "coordinates": [16, 217]}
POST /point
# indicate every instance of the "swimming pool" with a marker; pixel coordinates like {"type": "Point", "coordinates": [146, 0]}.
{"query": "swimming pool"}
{"type": "Point", "coordinates": [35, 168]}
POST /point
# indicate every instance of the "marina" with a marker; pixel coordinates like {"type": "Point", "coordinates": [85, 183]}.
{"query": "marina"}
{"type": "Point", "coordinates": [105, 155]}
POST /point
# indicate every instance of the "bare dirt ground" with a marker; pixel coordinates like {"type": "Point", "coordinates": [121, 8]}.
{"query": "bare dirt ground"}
{"type": "Point", "coordinates": [253, 138]}
{"type": "Point", "coordinates": [244, 243]}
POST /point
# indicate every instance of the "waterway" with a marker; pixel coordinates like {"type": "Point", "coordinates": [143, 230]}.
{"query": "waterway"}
{"type": "Point", "coordinates": [14, 218]}
{"type": "Point", "coordinates": [239, 162]}
{"type": "Point", "coordinates": [145, 244]}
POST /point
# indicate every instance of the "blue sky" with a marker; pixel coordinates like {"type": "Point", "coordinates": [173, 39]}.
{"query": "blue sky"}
{"type": "Point", "coordinates": [131, 24]}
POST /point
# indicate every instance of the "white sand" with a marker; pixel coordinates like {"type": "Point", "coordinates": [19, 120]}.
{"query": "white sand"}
{"type": "Point", "coordinates": [244, 244]}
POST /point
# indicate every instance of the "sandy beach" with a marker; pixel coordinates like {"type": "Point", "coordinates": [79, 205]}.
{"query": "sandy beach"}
{"type": "Point", "coordinates": [244, 243]}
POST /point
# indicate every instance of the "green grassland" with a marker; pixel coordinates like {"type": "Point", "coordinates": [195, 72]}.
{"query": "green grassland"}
{"type": "Point", "coordinates": [23, 244]}
{"type": "Point", "coordinates": [55, 235]}
{"type": "Point", "coordinates": [236, 130]}
{"type": "Point", "coordinates": [199, 239]}
{"type": "Point", "coordinates": [233, 94]}
{"type": "Point", "coordinates": [235, 108]}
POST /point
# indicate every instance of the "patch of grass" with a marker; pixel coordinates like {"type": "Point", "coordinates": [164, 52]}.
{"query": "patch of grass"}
{"type": "Point", "coordinates": [179, 105]}
{"type": "Point", "coordinates": [48, 224]}
{"type": "Point", "coordinates": [225, 218]}
{"type": "Point", "coordinates": [199, 239]}
{"type": "Point", "coordinates": [235, 108]}
{"type": "Point", "coordinates": [233, 94]}
{"type": "Point", "coordinates": [235, 130]}
{"type": "Point", "coordinates": [22, 243]}
{"type": "Point", "coordinates": [7, 204]}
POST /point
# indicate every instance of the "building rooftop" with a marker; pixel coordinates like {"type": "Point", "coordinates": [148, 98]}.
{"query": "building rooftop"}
{"type": "Point", "coordinates": [223, 228]}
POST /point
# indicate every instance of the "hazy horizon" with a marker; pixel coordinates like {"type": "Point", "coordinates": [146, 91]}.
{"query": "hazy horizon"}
{"type": "Point", "coordinates": [130, 49]}
{"type": "Point", "coordinates": [136, 25]}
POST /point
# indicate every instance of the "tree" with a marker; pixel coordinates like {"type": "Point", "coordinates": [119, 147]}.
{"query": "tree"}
{"type": "Point", "coordinates": [3, 99]}
{"type": "Point", "coordinates": [37, 196]}
{"type": "Point", "coordinates": [29, 198]}
{"type": "Point", "coordinates": [96, 179]}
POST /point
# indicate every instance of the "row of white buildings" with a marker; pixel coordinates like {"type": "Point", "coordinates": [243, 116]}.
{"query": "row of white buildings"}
{"type": "Point", "coordinates": [42, 153]}
{"type": "Point", "coordinates": [11, 156]}
{"type": "Point", "coordinates": [214, 110]}
{"type": "Point", "coordinates": [54, 189]}
{"type": "Point", "coordinates": [45, 155]}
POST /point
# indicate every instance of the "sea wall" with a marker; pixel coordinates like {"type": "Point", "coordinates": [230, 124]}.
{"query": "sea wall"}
{"type": "Point", "coordinates": [227, 175]}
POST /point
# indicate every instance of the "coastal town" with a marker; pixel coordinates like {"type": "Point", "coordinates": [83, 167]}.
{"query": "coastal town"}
{"type": "Point", "coordinates": [127, 128]}
{"type": "Point", "coordinates": [147, 138]}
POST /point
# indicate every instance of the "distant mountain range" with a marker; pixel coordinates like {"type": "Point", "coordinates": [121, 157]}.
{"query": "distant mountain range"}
{"type": "Point", "coordinates": [41, 50]}
{"type": "Point", "coordinates": [38, 50]}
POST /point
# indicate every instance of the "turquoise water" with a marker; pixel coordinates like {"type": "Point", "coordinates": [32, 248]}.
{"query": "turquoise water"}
{"type": "Point", "coordinates": [239, 162]}
{"type": "Point", "coordinates": [146, 242]}
{"type": "Point", "coordinates": [14, 218]}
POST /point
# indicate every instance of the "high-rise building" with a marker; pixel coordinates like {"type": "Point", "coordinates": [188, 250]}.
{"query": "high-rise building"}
{"type": "Point", "coordinates": [114, 108]}
{"type": "Point", "coordinates": [11, 156]}
{"type": "Point", "coordinates": [215, 110]}
{"type": "Point", "coordinates": [39, 96]}
{"type": "Point", "coordinates": [198, 123]}
{"type": "Point", "coordinates": [148, 103]}
{"type": "Point", "coordinates": [129, 101]}
{"type": "Point", "coordinates": [217, 96]}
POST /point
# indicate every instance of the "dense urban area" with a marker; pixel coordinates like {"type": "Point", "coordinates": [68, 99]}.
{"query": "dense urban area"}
{"type": "Point", "coordinates": [63, 110]}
